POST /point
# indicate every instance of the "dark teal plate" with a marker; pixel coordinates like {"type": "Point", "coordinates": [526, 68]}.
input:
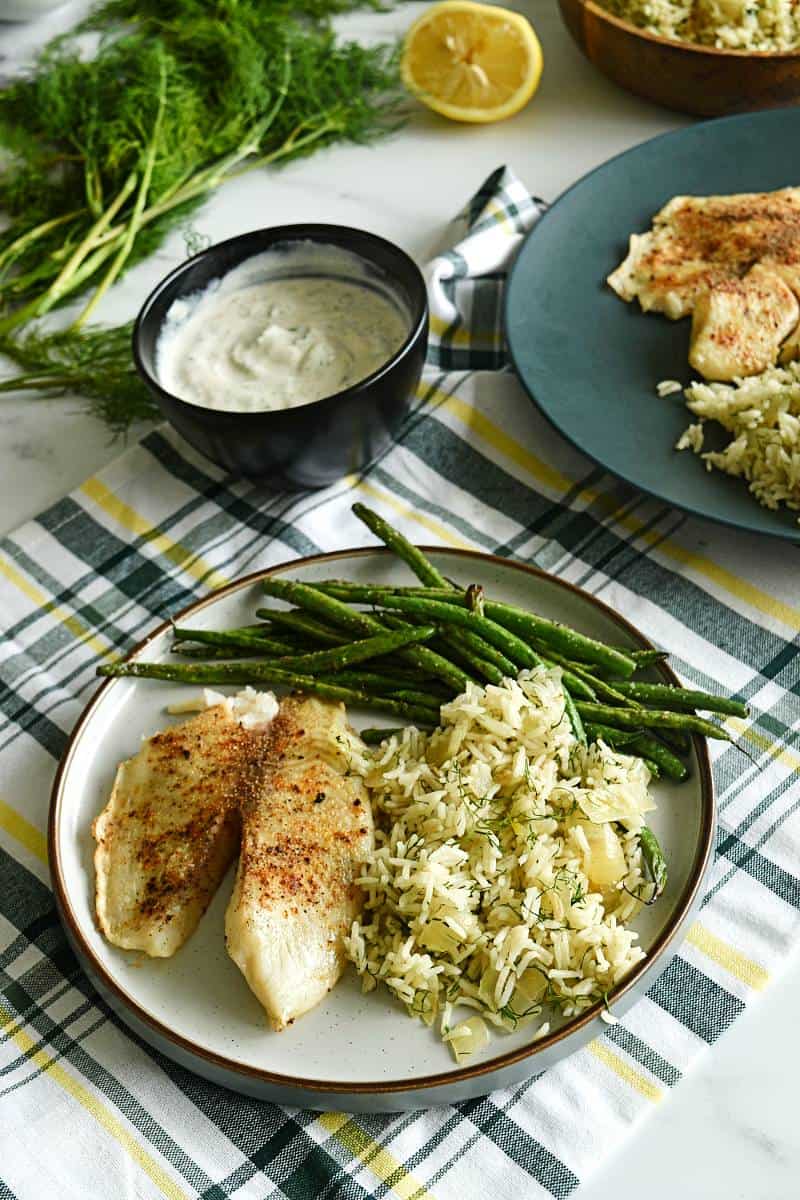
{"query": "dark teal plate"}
{"type": "Point", "coordinates": [590, 362]}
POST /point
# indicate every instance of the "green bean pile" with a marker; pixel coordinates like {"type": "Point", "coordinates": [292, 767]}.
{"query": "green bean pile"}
{"type": "Point", "coordinates": [417, 647]}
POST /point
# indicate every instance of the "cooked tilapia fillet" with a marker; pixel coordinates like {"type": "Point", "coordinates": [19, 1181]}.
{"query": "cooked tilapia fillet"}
{"type": "Point", "coordinates": [790, 350]}
{"type": "Point", "coordinates": [171, 829]}
{"type": "Point", "coordinates": [698, 242]}
{"type": "Point", "coordinates": [738, 327]}
{"type": "Point", "coordinates": [303, 838]}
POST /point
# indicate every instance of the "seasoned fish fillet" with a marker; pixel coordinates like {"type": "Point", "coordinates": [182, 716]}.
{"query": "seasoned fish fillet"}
{"type": "Point", "coordinates": [731, 261]}
{"type": "Point", "coordinates": [738, 327]}
{"type": "Point", "coordinates": [790, 350]}
{"type": "Point", "coordinates": [698, 242]}
{"type": "Point", "coordinates": [171, 829]}
{"type": "Point", "coordinates": [303, 837]}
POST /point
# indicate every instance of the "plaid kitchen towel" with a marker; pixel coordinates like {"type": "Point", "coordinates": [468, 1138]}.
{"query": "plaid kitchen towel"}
{"type": "Point", "coordinates": [87, 1109]}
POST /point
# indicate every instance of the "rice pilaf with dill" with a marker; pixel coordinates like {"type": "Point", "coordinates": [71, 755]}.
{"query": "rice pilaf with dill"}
{"type": "Point", "coordinates": [755, 25]}
{"type": "Point", "coordinates": [762, 416]}
{"type": "Point", "coordinates": [507, 864]}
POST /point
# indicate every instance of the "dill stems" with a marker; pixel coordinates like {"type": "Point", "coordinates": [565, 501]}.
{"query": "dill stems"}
{"type": "Point", "coordinates": [111, 149]}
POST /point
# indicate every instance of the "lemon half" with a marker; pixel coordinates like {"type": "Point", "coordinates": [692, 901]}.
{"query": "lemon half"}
{"type": "Point", "coordinates": [472, 62]}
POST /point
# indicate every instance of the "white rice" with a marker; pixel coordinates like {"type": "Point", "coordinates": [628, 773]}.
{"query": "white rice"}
{"type": "Point", "coordinates": [762, 415]}
{"type": "Point", "coordinates": [477, 895]}
{"type": "Point", "coordinates": [762, 25]}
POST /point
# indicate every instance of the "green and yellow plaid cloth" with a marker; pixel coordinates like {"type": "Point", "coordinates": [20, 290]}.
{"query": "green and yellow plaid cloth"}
{"type": "Point", "coordinates": [87, 1109]}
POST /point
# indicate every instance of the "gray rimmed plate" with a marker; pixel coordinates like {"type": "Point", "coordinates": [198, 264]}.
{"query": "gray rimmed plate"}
{"type": "Point", "coordinates": [590, 362]}
{"type": "Point", "coordinates": [354, 1052]}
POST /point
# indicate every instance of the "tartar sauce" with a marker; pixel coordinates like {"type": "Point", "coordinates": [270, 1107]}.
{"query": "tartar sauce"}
{"type": "Point", "coordinates": [282, 329]}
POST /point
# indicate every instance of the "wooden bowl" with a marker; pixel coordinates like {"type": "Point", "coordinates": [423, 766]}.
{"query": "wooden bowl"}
{"type": "Point", "coordinates": [680, 75]}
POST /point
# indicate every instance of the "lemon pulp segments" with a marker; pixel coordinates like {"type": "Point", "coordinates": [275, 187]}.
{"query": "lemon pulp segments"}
{"type": "Point", "coordinates": [472, 62]}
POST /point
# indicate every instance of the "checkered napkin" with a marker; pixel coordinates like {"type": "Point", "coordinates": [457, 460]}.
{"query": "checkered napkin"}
{"type": "Point", "coordinates": [88, 1110]}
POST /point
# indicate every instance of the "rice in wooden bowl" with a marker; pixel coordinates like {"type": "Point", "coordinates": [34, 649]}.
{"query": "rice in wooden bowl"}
{"type": "Point", "coordinates": [706, 57]}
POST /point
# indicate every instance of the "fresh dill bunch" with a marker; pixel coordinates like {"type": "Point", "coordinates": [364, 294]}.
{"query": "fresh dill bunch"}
{"type": "Point", "coordinates": [109, 153]}
{"type": "Point", "coordinates": [90, 124]}
{"type": "Point", "coordinates": [154, 17]}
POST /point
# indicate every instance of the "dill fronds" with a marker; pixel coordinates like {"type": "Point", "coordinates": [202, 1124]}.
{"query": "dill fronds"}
{"type": "Point", "coordinates": [93, 364]}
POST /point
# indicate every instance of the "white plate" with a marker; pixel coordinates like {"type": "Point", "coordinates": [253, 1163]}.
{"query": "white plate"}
{"type": "Point", "coordinates": [353, 1051]}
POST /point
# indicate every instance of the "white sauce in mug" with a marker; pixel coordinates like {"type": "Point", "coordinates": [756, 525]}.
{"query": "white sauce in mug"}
{"type": "Point", "coordinates": [282, 329]}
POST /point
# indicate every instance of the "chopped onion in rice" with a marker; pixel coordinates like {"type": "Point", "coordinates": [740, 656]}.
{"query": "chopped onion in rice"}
{"type": "Point", "coordinates": [467, 1037]}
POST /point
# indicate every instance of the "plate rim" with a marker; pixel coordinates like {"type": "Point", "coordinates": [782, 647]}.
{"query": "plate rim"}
{"type": "Point", "coordinates": [109, 984]}
{"type": "Point", "coordinates": [789, 534]}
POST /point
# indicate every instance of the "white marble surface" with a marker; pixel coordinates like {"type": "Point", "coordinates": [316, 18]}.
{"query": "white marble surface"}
{"type": "Point", "coordinates": [730, 1130]}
